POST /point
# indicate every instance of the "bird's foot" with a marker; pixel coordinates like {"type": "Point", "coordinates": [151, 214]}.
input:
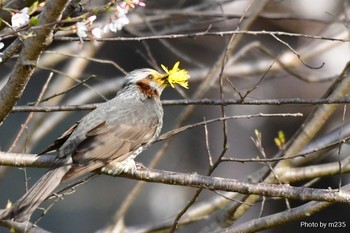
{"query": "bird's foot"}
{"type": "Point", "coordinates": [140, 166]}
{"type": "Point", "coordinates": [115, 168]}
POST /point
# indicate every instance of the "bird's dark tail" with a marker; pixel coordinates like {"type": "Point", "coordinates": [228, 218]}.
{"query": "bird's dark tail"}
{"type": "Point", "coordinates": [22, 210]}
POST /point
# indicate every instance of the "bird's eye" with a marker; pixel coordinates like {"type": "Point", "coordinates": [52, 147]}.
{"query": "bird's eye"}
{"type": "Point", "coordinates": [150, 77]}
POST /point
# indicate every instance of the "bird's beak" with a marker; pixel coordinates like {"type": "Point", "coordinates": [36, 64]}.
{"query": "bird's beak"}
{"type": "Point", "coordinates": [164, 79]}
{"type": "Point", "coordinates": [161, 79]}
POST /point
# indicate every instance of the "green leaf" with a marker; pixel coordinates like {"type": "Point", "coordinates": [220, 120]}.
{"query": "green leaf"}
{"type": "Point", "coordinates": [34, 21]}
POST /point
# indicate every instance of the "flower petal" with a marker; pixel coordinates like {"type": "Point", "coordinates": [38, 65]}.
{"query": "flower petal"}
{"type": "Point", "coordinates": [177, 75]}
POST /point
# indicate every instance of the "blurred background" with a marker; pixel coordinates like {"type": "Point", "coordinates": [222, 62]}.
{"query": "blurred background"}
{"type": "Point", "coordinates": [251, 67]}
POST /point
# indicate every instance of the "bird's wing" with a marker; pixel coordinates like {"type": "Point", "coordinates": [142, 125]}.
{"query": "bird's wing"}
{"type": "Point", "coordinates": [108, 142]}
{"type": "Point", "coordinates": [61, 140]}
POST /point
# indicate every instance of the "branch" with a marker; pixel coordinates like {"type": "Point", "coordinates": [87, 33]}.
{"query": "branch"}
{"type": "Point", "coordinates": [295, 101]}
{"type": "Point", "coordinates": [197, 181]}
{"type": "Point", "coordinates": [25, 227]}
{"type": "Point", "coordinates": [26, 160]}
{"type": "Point", "coordinates": [286, 216]}
{"type": "Point", "coordinates": [206, 33]}
{"type": "Point", "coordinates": [295, 174]}
{"type": "Point", "coordinates": [232, 185]}
{"type": "Point", "coordinates": [30, 53]}
{"type": "Point", "coordinates": [339, 89]}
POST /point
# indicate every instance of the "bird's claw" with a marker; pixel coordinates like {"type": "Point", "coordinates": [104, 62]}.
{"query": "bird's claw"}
{"type": "Point", "coordinates": [127, 166]}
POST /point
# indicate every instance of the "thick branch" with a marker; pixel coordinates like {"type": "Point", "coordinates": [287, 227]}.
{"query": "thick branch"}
{"type": "Point", "coordinates": [25, 227]}
{"type": "Point", "coordinates": [30, 53]}
{"type": "Point", "coordinates": [200, 181]}
{"type": "Point", "coordinates": [232, 185]}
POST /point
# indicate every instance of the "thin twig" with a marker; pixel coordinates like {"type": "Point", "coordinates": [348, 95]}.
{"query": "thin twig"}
{"type": "Point", "coordinates": [25, 124]}
{"type": "Point", "coordinates": [210, 158]}
{"type": "Point", "coordinates": [206, 33]}
{"type": "Point", "coordinates": [214, 102]}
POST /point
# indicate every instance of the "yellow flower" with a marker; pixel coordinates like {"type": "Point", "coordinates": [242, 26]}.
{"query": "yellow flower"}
{"type": "Point", "coordinates": [176, 75]}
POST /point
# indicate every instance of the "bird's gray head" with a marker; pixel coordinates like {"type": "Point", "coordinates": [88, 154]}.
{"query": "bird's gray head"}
{"type": "Point", "coordinates": [149, 81]}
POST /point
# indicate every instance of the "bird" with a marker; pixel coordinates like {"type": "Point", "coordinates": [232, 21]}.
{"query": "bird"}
{"type": "Point", "coordinates": [108, 138]}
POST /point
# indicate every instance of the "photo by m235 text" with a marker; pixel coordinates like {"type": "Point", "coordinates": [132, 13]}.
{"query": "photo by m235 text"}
{"type": "Point", "coordinates": [320, 224]}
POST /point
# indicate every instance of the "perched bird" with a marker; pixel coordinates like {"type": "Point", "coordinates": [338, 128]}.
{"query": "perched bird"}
{"type": "Point", "coordinates": [109, 137]}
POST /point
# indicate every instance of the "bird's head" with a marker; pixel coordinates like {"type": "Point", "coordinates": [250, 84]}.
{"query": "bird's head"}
{"type": "Point", "coordinates": [152, 83]}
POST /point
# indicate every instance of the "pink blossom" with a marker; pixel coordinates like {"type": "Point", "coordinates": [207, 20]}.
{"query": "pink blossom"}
{"type": "Point", "coordinates": [81, 29]}
{"type": "Point", "coordinates": [91, 19]}
{"type": "Point", "coordinates": [131, 4]}
{"type": "Point", "coordinates": [21, 18]}
{"type": "Point", "coordinates": [97, 32]}
{"type": "Point", "coordinates": [117, 24]}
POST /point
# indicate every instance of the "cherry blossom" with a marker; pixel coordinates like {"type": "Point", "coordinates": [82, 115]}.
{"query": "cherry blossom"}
{"type": "Point", "coordinates": [82, 28]}
{"type": "Point", "coordinates": [117, 21]}
{"type": "Point", "coordinates": [97, 32]}
{"type": "Point", "coordinates": [20, 18]}
{"type": "Point", "coordinates": [117, 24]}
{"type": "Point", "coordinates": [132, 3]}
{"type": "Point", "coordinates": [91, 19]}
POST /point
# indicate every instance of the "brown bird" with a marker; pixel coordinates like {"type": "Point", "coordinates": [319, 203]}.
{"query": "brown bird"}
{"type": "Point", "coordinates": [110, 137]}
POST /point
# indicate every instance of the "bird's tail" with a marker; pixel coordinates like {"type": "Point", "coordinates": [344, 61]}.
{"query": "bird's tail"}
{"type": "Point", "coordinates": [22, 210]}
